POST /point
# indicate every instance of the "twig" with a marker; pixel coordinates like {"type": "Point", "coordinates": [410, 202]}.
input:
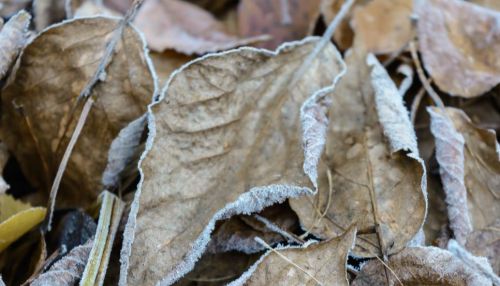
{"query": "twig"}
{"type": "Point", "coordinates": [425, 82]}
{"type": "Point", "coordinates": [64, 162]}
{"type": "Point", "coordinates": [322, 43]}
{"type": "Point", "coordinates": [415, 104]}
{"type": "Point", "coordinates": [273, 227]}
{"type": "Point", "coordinates": [263, 243]}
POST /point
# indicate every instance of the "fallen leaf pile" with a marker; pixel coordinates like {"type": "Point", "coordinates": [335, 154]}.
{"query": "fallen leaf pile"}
{"type": "Point", "coordinates": [249, 142]}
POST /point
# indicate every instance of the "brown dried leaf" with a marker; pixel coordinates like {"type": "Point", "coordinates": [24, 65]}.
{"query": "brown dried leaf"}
{"type": "Point", "coordinates": [10, 7]}
{"type": "Point", "coordinates": [47, 12]}
{"type": "Point", "coordinates": [322, 263]}
{"type": "Point", "coordinates": [167, 62]}
{"type": "Point", "coordinates": [383, 26]}
{"type": "Point", "coordinates": [481, 165]}
{"type": "Point", "coordinates": [13, 36]}
{"type": "Point", "coordinates": [38, 105]}
{"type": "Point", "coordinates": [421, 266]}
{"type": "Point", "coordinates": [184, 27]}
{"type": "Point", "coordinates": [68, 270]}
{"type": "Point", "coordinates": [377, 177]}
{"type": "Point", "coordinates": [485, 243]}
{"type": "Point", "coordinates": [460, 45]}
{"type": "Point", "coordinates": [284, 20]}
{"type": "Point", "coordinates": [227, 141]}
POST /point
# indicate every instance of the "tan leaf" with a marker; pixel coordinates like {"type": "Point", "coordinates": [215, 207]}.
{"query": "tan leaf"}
{"type": "Point", "coordinates": [227, 141]}
{"type": "Point", "coordinates": [481, 163]}
{"type": "Point", "coordinates": [491, 4]}
{"type": "Point", "coordinates": [460, 46]}
{"type": "Point", "coordinates": [13, 36]}
{"type": "Point", "coordinates": [47, 12]}
{"type": "Point", "coordinates": [38, 107]}
{"type": "Point", "coordinates": [421, 266]}
{"type": "Point", "coordinates": [377, 177]}
{"type": "Point", "coordinates": [322, 263]}
{"type": "Point", "coordinates": [383, 26]}
{"type": "Point", "coordinates": [284, 20]}
{"type": "Point", "coordinates": [184, 27]}
{"type": "Point", "coordinates": [68, 270]}
{"type": "Point", "coordinates": [167, 62]}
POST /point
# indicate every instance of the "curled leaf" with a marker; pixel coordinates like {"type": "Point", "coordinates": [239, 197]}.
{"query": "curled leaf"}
{"type": "Point", "coordinates": [227, 141]}
{"type": "Point", "coordinates": [13, 36]}
{"type": "Point", "coordinates": [377, 179]}
{"type": "Point", "coordinates": [68, 270]}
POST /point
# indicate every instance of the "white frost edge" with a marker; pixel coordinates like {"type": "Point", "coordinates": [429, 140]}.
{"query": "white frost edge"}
{"type": "Point", "coordinates": [395, 121]}
{"type": "Point", "coordinates": [281, 192]}
{"type": "Point", "coordinates": [247, 274]}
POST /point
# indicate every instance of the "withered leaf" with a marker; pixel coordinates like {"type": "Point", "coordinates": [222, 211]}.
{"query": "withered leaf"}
{"type": "Point", "coordinates": [377, 177]}
{"type": "Point", "coordinates": [283, 20]}
{"type": "Point", "coordinates": [68, 270]}
{"type": "Point", "coordinates": [460, 45]}
{"type": "Point", "coordinates": [47, 12]}
{"type": "Point", "coordinates": [39, 106]}
{"type": "Point", "coordinates": [184, 27]}
{"type": "Point", "coordinates": [481, 166]}
{"type": "Point", "coordinates": [383, 26]}
{"type": "Point", "coordinates": [91, 8]}
{"type": "Point", "coordinates": [421, 266]}
{"type": "Point", "coordinates": [13, 36]}
{"type": "Point", "coordinates": [321, 263]}
{"type": "Point", "coordinates": [167, 62]}
{"type": "Point", "coordinates": [227, 141]}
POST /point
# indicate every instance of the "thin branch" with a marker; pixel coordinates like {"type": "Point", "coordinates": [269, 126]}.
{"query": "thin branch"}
{"type": "Point", "coordinates": [416, 104]}
{"type": "Point", "coordinates": [273, 227]}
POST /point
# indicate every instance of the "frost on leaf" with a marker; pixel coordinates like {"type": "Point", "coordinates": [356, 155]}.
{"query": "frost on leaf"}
{"type": "Point", "coordinates": [371, 153]}
{"type": "Point", "coordinates": [41, 109]}
{"type": "Point", "coordinates": [460, 45]}
{"type": "Point", "coordinates": [185, 28]}
{"type": "Point", "coordinates": [227, 140]}
{"type": "Point", "coordinates": [450, 156]}
{"type": "Point", "coordinates": [68, 270]}
{"type": "Point", "coordinates": [321, 263]}
{"type": "Point", "coordinates": [482, 182]}
{"type": "Point", "coordinates": [421, 266]}
{"type": "Point", "coordinates": [13, 36]}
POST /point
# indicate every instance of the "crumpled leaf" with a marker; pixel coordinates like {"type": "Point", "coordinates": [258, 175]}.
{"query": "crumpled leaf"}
{"type": "Point", "coordinates": [239, 232]}
{"type": "Point", "coordinates": [325, 264]}
{"type": "Point", "coordinates": [124, 149]}
{"type": "Point", "coordinates": [383, 26]}
{"type": "Point", "coordinates": [185, 28]}
{"type": "Point", "coordinates": [68, 270]}
{"type": "Point", "coordinates": [13, 36]}
{"type": "Point", "coordinates": [450, 156]}
{"type": "Point", "coordinates": [227, 141]}
{"type": "Point", "coordinates": [421, 266]}
{"type": "Point", "coordinates": [37, 108]}
{"type": "Point", "coordinates": [482, 181]}
{"type": "Point", "coordinates": [283, 20]}
{"type": "Point", "coordinates": [485, 243]}
{"type": "Point", "coordinates": [377, 177]}
{"type": "Point", "coordinates": [16, 218]}
{"type": "Point", "coordinates": [460, 46]}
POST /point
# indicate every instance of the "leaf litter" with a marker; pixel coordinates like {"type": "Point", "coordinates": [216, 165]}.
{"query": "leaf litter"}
{"type": "Point", "coordinates": [374, 163]}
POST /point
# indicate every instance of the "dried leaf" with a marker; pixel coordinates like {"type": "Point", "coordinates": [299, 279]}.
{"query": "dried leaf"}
{"type": "Point", "coordinates": [322, 263]}
{"type": "Point", "coordinates": [167, 62]}
{"type": "Point", "coordinates": [68, 270]}
{"type": "Point", "coordinates": [98, 259]}
{"type": "Point", "coordinates": [39, 107]}
{"type": "Point", "coordinates": [421, 266]}
{"type": "Point", "coordinates": [1, 281]}
{"type": "Point", "coordinates": [485, 243]}
{"type": "Point", "coordinates": [91, 8]}
{"type": "Point", "coordinates": [47, 12]}
{"type": "Point", "coordinates": [383, 26]}
{"type": "Point", "coordinates": [216, 7]}
{"type": "Point", "coordinates": [16, 219]}
{"type": "Point", "coordinates": [184, 27]}
{"type": "Point", "coordinates": [227, 141]}
{"type": "Point", "coordinates": [450, 156]}
{"type": "Point", "coordinates": [124, 149]}
{"type": "Point", "coordinates": [4, 157]}
{"type": "Point", "coordinates": [460, 46]}
{"type": "Point", "coordinates": [13, 36]}
{"type": "Point", "coordinates": [284, 20]}
{"type": "Point", "coordinates": [377, 178]}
